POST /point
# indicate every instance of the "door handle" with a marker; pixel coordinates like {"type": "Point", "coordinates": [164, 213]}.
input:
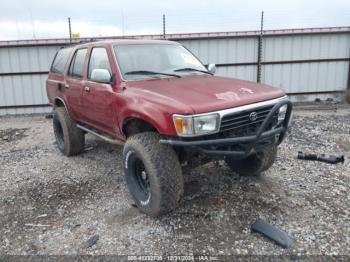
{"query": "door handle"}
{"type": "Point", "coordinates": [87, 89]}
{"type": "Point", "coordinates": [60, 85]}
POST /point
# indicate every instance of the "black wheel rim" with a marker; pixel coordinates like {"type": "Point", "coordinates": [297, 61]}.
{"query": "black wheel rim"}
{"type": "Point", "coordinates": [139, 179]}
{"type": "Point", "coordinates": [141, 176]}
{"type": "Point", "coordinates": [57, 128]}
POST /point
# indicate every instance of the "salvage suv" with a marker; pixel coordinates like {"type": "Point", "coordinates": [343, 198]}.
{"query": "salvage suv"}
{"type": "Point", "coordinates": [167, 109]}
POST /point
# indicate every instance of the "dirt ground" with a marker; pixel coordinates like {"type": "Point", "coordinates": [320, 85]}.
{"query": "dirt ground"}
{"type": "Point", "coordinates": [51, 204]}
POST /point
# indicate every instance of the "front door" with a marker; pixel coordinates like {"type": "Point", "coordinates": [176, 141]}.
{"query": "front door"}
{"type": "Point", "coordinates": [97, 97]}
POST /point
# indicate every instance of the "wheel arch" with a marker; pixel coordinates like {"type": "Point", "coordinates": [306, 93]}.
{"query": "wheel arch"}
{"type": "Point", "coordinates": [133, 125]}
{"type": "Point", "coordinates": [59, 102]}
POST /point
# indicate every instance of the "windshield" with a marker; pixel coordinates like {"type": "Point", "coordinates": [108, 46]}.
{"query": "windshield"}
{"type": "Point", "coordinates": [141, 61]}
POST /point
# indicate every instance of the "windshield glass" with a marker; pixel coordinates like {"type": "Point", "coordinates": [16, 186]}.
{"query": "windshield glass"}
{"type": "Point", "coordinates": [141, 61]}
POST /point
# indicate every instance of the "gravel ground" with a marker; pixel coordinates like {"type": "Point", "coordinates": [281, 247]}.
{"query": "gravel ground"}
{"type": "Point", "coordinates": [51, 204]}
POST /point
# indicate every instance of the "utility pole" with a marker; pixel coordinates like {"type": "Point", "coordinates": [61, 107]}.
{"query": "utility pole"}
{"type": "Point", "coordinates": [70, 30]}
{"type": "Point", "coordinates": [163, 26]}
{"type": "Point", "coordinates": [348, 87]}
{"type": "Point", "coordinates": [258, 76]}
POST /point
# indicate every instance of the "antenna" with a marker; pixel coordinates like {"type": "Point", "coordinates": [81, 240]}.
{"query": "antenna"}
{"type": "Point", "coordinates": [164, 26]}
{"type": "Point", "coordinates": [123, 24]}
{"type": "Point", "coordinates": [32, 23]}
{"type": "Point", "coordinates": [258, 77]}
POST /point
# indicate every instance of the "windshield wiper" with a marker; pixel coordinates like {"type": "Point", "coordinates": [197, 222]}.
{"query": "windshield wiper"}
{"type": "Point", "coordinates": [146, 72]}
{"type": "Point", "coordinates": [192, 69]}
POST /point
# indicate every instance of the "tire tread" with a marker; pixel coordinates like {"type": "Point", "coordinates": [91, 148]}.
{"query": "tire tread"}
{"type": "Point", "coordinates": [166, 167]}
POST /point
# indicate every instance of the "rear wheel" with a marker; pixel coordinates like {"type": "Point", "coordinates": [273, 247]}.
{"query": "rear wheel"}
{"type": "Point", "coordinates": [70, 139]}
{"type": "Point", "coordinates": [254, 164]}
{"type": "Point", "coordinates": [153, 174]}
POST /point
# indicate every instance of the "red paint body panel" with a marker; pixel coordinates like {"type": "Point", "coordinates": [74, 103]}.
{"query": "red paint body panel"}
{"type": "Point", "coordinates": [107, 107]}
{"type": "Point", "coordinates": [204, 93]}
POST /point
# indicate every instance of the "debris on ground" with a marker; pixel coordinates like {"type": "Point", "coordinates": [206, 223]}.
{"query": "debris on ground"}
{"type": "Point", "coordinates": [91, 241]}
{"type": "Point", "coordinates": [88, 148]}
{"type": "Point", "coordinates": [330, 159]}
{"type": "Point", "coordinates": [219, 201]}
{"type": "Point", "coordinates": [43, 215]}
{"type": "Point", "coordinates": [36, 225]}
{"type": "Point", "coordinates": [271, 232]}
{"type": "Point", "coordinates": [12, 134]}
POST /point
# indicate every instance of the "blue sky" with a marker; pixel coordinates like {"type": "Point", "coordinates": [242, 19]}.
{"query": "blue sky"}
{"type": "Point", "coordinates": [48, 19]}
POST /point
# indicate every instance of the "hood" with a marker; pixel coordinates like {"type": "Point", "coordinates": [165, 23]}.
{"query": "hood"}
{"type": "Point", "coordinates": [205, 93]}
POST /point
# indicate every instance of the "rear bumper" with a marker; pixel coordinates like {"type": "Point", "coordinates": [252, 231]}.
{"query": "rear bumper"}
{"type": "Point", "coordinates": [249, 144]}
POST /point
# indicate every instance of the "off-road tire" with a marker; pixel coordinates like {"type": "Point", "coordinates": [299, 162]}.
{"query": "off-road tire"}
{"type": "Point", "coordinates": [70, 139]}
{"type": "Point", "coordinates": [255, 164]}
{"type": "Point", "coordinates": [164, 174]}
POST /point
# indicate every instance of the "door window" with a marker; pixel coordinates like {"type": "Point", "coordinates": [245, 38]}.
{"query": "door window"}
{"type": "Point", "coordinates": [99, 60]}
{"type": "Point", "coordinates": [76, 68]}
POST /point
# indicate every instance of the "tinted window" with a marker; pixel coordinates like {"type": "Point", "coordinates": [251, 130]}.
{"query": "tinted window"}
{"type": "Point", "coordinates": [99, 60]}
{"type": "Point", "coordinates": [60, 60]}
{"type": "Point", "coordinates": [77, 65]}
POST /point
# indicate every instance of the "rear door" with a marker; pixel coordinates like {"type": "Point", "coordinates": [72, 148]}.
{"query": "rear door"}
{"type": "Point", "coordinates": [98, 98]}
{"type": "Point", "coordinates": [74, 83]}
{"type": "Point", "coordinates": [55, 84]}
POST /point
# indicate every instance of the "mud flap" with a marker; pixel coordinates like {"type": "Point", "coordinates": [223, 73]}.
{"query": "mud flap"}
{"type": "Point", "coordinates": [272, 233]}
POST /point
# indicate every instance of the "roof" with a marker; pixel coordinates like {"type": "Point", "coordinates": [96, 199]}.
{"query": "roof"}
{"type": "Point", "coordinates": [181, 36]}
{"type": "Point", "coordinates": [129, 42]}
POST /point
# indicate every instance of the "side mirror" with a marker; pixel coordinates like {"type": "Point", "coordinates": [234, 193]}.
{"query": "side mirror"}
{"type": "Point", "coordinates": [101, 76]}
{"type": "Point", "coordinates": [212, 68]}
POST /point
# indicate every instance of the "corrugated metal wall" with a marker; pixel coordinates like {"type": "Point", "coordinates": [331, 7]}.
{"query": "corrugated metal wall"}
{"type": "Point", "coordinates": [18, 86]}
{"type": "Point", "coordinates": [239, 50]}
{"type": "Point", "coordinates": [308, 76]}
{"type": "Point", "coordinates": [226, 50]}
{"type": "Point", "coordinates": [309, 63]}
{"type": "Point", "coordinates": [295, 63]}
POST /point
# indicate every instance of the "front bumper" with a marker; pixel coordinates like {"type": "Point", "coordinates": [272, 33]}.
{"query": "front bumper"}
{"type": "Point", "coordinates": [249, 143]}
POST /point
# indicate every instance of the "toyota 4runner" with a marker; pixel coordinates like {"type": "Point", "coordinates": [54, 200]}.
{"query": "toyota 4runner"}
{"type": "Point", "coordinates": [169, 111]}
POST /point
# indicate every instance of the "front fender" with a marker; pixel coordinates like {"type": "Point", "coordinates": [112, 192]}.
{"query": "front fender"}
{"type": "Point", "coordinates": [155, 115]}
{"type": "Point", "coordinates": [152, 107]}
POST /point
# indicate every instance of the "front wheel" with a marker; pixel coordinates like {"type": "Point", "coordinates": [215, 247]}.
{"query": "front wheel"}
{"type": "Point", "coordinates": [254, 164]}
{"type": "Point", "coordinates": [153, 174]}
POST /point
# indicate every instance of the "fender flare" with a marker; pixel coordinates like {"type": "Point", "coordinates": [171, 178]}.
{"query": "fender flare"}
{"type": "Point", "coordinates": [63, 102]}
{"type": "Point", "coordinates": [143, 117]}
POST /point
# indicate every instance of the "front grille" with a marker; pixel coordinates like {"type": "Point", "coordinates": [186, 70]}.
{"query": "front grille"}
{"type": "Point", "coordinates": [240, 124]}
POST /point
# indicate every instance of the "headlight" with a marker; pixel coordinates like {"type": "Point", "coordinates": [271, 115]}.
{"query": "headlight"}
{"type": "Point", "coordinates": [196, 125]}
{"type": "Point", "coordinates": [282, 113]}
{"type": "Point", "coordinates": [206, 124]}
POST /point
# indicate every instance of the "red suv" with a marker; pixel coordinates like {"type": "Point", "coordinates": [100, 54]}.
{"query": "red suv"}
{"type": "Point", "coordinates": [169, 111]}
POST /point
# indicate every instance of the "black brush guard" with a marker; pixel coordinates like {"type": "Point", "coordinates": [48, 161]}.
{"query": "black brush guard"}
{"type": "Point", "coordinates": [251, 142]}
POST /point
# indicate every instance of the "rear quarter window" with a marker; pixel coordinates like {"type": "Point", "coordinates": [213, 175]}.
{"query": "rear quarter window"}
{"type": "Point", "coordinates": [60, 60]}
